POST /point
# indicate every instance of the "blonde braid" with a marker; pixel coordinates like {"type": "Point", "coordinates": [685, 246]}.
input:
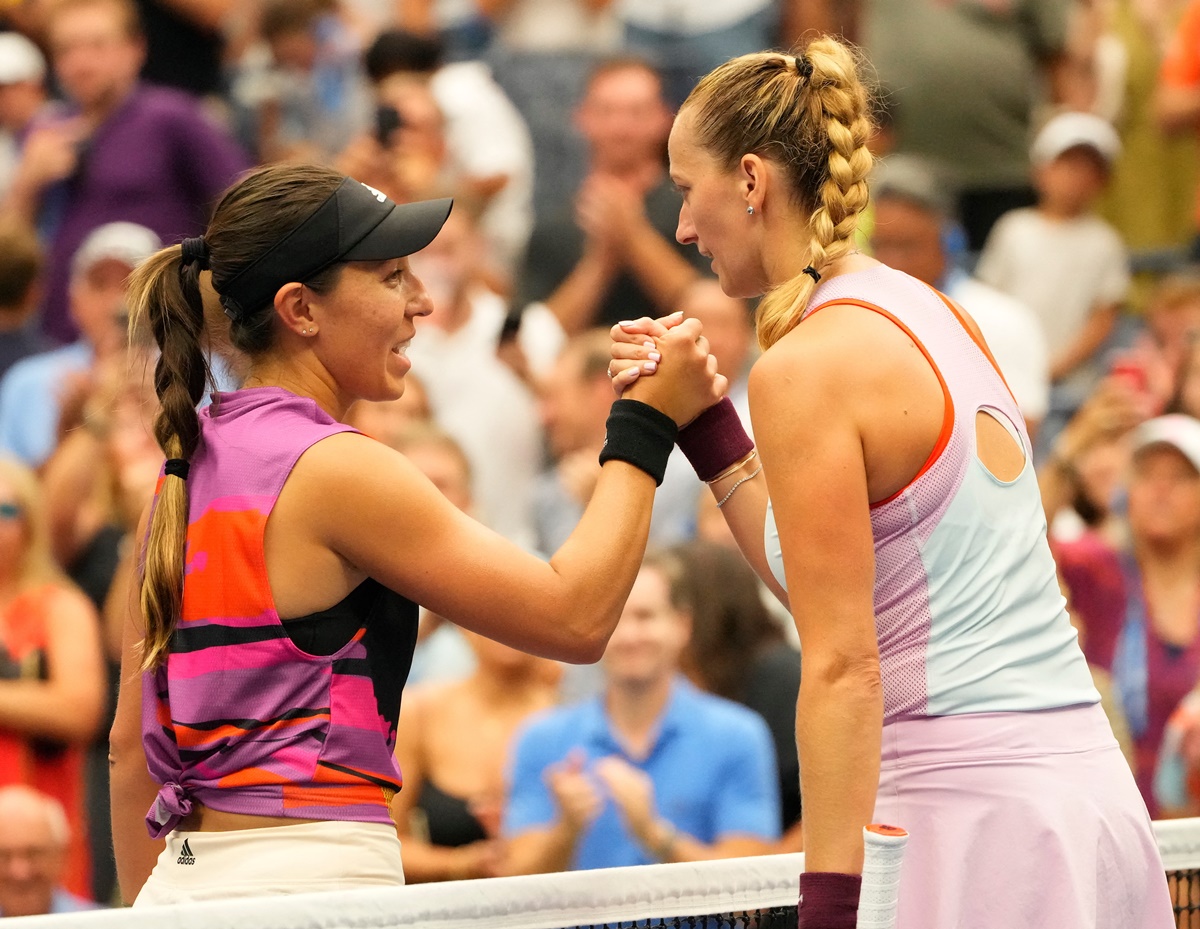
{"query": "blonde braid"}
{"type": "Point", "coordinates": [841, 99]}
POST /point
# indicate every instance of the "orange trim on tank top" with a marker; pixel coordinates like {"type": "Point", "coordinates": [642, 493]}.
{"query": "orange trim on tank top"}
{"type": "Point", "coordinates": [943, 438]}
{"type": "Point", "coordinates": [960, 315]}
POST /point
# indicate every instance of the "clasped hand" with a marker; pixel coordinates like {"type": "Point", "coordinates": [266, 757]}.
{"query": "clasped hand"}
{"type": "Point", "coordinates": [666, 364]}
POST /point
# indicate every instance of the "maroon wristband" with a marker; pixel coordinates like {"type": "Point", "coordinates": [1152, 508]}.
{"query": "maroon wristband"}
{"type": "Point", "coordinates": [829, 900]}
{"type": "Point", "coordinates": [715, 440]}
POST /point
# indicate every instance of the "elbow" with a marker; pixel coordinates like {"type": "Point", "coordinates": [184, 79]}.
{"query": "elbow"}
{"type": "Point", "coordinates": [588, 639]}
{"type": "Point", "coordinates": [856, 674]}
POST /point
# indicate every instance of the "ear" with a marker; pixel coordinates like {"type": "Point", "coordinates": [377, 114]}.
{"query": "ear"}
{"type": "Point", "coordinates": [752, 181]}
{"type": "Point", "coordinates": [293, 309]}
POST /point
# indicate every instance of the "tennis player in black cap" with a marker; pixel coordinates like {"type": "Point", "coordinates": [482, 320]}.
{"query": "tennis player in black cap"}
{"type": "Point", "coordinates": [274, 618]}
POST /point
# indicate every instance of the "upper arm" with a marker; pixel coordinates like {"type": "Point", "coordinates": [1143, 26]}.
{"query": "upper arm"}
{"type": "Point", "coordinates": [126, 734]}
{"type": "Point", "coordinates": [812, 454]}
{"type": "Point", "coordinates": [389, 521]}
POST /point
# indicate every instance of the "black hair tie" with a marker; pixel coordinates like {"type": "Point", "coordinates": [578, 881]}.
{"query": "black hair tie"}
{"type": "Point", "coordinates": [178, 467]}
{"type": "Point", "coordinates": [813, 273]}
{"type": "Point", "coordinates": [804, 67]}
{"type": "Point", "coordinates": [194, 251]}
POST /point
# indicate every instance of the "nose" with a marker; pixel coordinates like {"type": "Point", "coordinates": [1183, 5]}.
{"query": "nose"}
{"type": "Point", "coordinates": [421, 303]}
{"type": "Point", "coordinates": [685, 231]}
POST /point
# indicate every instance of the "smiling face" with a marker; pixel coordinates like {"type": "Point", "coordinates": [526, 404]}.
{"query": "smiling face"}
{"type": "Point", "coordinates": [713, 215]}
{"type": "Point", "coordinates": [364, 325]}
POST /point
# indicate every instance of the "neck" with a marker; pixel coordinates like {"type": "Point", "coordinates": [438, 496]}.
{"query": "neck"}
{"type": "Point", "coordinates": [97, 111]}
{"type": "Point", "coordinates": [636, 708]}
{"type": "Point", "coordinates": [1169, 563]}
{"type": "Point", "coordinates": [301, 379]}
{"type": "Point", "coordinates": [1061, 213]}
{"type": "Point", "coordinates": [786, 253]}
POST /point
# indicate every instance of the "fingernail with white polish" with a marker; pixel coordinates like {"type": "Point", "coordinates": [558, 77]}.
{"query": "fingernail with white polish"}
{"type": "Point", "coordinates": [650, 367]}
{"type": "Point", "coordinates": [654, 356]}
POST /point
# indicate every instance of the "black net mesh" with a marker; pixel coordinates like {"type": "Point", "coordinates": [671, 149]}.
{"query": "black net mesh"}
{"type": "Point", "coordinates": [1185, 894]}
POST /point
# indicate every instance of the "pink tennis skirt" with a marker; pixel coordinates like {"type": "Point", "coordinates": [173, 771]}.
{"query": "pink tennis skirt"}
{"type": "Point", "coordinates": [1020, 821]}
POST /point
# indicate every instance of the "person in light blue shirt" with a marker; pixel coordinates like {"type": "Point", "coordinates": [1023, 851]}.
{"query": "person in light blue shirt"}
{"type": "Point", "coordinates": [33, 390]}
{"type": "Point", "coordinates": [653, 769]}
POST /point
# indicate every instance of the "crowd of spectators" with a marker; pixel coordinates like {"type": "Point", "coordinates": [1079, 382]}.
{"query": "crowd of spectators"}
{"type": "Point", "coordinates": [1037, 164]}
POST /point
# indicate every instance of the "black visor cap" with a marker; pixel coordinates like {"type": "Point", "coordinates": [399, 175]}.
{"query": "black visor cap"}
{"type": "Point", "coordinates": [356, 223]}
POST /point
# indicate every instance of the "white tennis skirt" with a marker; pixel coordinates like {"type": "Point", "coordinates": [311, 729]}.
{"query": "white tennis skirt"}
{"type": "Point", "coordinates": [1025, 820]}
{"type": "Point", "coordinates": [303, 858]}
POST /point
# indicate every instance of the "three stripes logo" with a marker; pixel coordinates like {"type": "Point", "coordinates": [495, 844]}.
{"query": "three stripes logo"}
{"type": "Point", "coordinates": [185, 854]}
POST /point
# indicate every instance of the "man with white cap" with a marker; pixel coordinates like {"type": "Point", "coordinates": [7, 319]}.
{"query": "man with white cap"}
{"type": "Point", "coordinates": [1060, 258]}
{"type": "Point", "coordinates": [31, 393]}
{"type": "Point", "coordinates": [22, 95]}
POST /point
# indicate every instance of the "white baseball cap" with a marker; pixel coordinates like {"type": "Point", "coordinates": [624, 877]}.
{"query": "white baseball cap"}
{"type": "Point", "coordinates": [128, 243]}
{"type": "Point", "coordinates": [20, 59]}
{"type": "Point", "coordinates": [1176, 430]}
{"type": "Point", "coordinates": [1071, 130]}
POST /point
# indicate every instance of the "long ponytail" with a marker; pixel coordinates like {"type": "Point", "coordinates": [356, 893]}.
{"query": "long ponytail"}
{"type": "Point", "coordinates": [165, 296]}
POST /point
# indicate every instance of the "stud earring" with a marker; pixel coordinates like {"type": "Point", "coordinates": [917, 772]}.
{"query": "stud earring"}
{"type": "Point", "coordinates": [749, 209]}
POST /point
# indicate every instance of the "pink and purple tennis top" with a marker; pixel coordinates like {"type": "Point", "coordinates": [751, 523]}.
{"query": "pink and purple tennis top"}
{"type": "Point", "coordinates": [250, 714]}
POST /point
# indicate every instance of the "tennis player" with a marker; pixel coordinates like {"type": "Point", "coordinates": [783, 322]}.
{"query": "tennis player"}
{"type": "Point", "coordinates": [891, 501]}
{"type": "Point", "coordinates": [285, 554]}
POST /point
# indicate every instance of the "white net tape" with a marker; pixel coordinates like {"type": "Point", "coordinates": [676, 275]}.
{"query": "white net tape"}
{"type": "Point", "coordinates": [545, 901]}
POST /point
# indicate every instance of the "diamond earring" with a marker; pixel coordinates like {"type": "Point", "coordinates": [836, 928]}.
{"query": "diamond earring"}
{"type": "Point", "coordinates": [749, 209]}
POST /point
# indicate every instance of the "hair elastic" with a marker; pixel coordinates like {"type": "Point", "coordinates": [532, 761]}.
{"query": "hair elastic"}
{"type": "Point", "coordinates": [194, 251]}
{"type": "Point", "coordinates": [179, 467]}
{"type": "Point", "coordinates": [804, 67]}
{"type": "Point", "coordinates": [813, 273]}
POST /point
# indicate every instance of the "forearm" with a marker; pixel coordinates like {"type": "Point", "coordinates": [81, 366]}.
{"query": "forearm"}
{"type": "Point", "coordinates": [131, 793]}
{"type": "Point", "coordinates": [839, 721]}
{"type": "Point", "coordinates": [542, 851]}
{"type": "Point", "coordinates": [745, 514]}
{"type": "Point", "coordinates": [424, 862]}
{"type": "Point", "coordinates": [23, 201]}
{"type": "Point", "coordinates": [601, 557]}
{"type": "Point", "coordinates": [660, 270]}
{"type": "Point", "coordinates": [577, 299]}
{"type": "Point", "coordinates": [40, 709]}
{"type": "Point", "coordinates": [666, 844]}
{"type": "Point", "coordinates": [1093, 335]}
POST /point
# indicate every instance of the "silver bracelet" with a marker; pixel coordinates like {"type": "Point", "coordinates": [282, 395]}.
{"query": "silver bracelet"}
{"type": "Point", "coordinates": [749, 477]}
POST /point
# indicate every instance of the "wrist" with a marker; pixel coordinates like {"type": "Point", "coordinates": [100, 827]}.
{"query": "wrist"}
{"type": "Point", "coordinates": [829, 900]}
{"type": "Point", "coordinates": [659, 839]}
{"type": "Point", "coordinates": [640, 435]}
{"type": "Point", "coordinates": [715, 440]}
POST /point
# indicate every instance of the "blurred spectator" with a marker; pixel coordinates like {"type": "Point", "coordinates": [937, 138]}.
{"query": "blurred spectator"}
{"type": "Point", "coordinates": [913, 233]}
{"type": "Point", "coordinates": [653, 769]}
{"type": "Point", "coordinates": [474, 396]}
{"type": "Point", "coordinates": [1082, 481]}
{"type": "Point", "coordinates": [390, 420]}
{"type": "Point", "coordinates": [1140, 614]}
{"type": "Point", "coordinates": [685, 40]}
{"type": "Point", "coordinates": [1063, 260]}
{"type": "Point", "coordinates": [452, 742]}
{"type": "Point", "coordinates": [303, 89]}
{"type": "Point", "coordinates": [541, 55]}
{"type": "Point", "coordinates": [487, 138]}
{"type": "Point", "coordinates": [405, 154]}
{"type": "Point", "coordinates": [1173, 323]}
{"type": "Point", "coordinates": [33, 391]}
{"type": "Point", "coordinates": [51, 678]}
{"type": "Point", "coordinates": [22, 96]}
{"type": "Point", "coordinates": [20, 273]}
{"type": "Point", "coordinates": [997, 56]}
{"type": "Point", "coordinates": [33, 846]}
{"type": "Point", "coordinates": [738, 651]}
{"type": "Point", "coordinates": [121, 151]}
{"type": "Point", "coordinates": [612, 254]}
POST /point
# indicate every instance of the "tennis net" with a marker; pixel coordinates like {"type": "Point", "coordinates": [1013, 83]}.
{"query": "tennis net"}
{"type": "Point", "coordinates": [745, 893]}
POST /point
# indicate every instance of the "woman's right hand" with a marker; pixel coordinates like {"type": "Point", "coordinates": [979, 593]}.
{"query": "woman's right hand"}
{"type": "Point", "coordinates": [684, 383]}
